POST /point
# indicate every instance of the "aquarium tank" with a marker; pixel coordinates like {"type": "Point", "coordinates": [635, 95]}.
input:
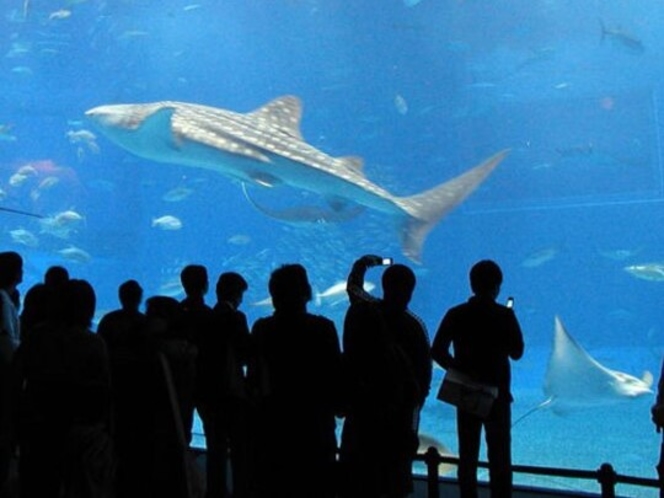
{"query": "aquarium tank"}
{"type": "Point", "coordinates": [139, 136]}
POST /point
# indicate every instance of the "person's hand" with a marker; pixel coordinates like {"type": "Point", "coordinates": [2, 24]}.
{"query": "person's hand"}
{"type": "Point", "coordinates": [371, 260]}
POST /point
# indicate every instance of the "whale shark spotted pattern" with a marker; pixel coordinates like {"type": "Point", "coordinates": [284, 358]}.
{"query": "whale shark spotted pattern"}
{"type": "Point", "coordinates": [265, 147]}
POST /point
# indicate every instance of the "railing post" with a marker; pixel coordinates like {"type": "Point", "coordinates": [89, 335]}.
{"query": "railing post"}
{"type": "Point", "coordinates": [607, 478]}
{"type": "Point", "coordinates": [432, 460]}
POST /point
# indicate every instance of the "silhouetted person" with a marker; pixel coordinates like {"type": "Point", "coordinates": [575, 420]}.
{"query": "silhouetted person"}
{"type": "Point", "coordinates": [63, 389]}
{"type": "Point", "coordinates": [11, 275]}
{"type": "Point", "coordinates": [484, 336]}
{"type": "Point", "coordinates": [175, 373]}
{"type": "Point", "coordinates": [39, 301]}
{"type": "Point", "coordinates": [197, 320]}
{"type": "Point", "coordinates": [125, 333]}
{"type": "Point", "coordinates": [657, 412]}
{"type": "Point", "coordinates": [299, 367]}
{"type": "Point", "coordinates": [222, 397]}
{"type": "Point", "coordinates": [388, 374]}
{"type": "Point", "coordinates": [55, 276]}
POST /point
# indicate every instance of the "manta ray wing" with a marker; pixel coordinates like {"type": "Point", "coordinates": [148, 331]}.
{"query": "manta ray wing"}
{"type": "Point", "coordinates": [574, 379]}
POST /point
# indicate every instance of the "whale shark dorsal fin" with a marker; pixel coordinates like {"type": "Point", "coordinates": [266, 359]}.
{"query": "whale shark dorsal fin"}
{"type": "Point", "coordinates": [648, 378]}
{"type": "Point", "coordinates": [283, 113]}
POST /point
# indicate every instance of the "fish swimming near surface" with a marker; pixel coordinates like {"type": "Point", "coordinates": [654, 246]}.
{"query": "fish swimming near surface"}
{"type": "Point", "coordinates": [266, 147]}
{"type": "Point", "coordinates": [575, 380]}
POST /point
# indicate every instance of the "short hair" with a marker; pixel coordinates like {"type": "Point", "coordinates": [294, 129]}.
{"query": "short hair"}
{"type": "Point", "coordinates": [130, 294]}
{"type": "Point", "coordinates": [230, 285]}
{"type": "Point", "coordinates": [194, 279]}
{"type": "Point", "coordinates": [55, 276]}
{"type": "Point", "coordinates": [398, 276]}
{"type": "Point", "coordinates": [289, 286]}
{"type": "Point", "coordinates": [11, 265]}
{"type": "Point", "coordinates": [485, 277]}
{"type": "Point", "coordinates": [76, 303]}
{"type": "Point", "coordinates": [398, 283]}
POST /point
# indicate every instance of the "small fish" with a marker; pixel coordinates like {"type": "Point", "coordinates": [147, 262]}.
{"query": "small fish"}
{"type": "Point", "coordinates": [167, 222]}
{"type": "Point", "coordinates": [68, 217]}
{"type": "Point", "coordinates": [171, 288]}
{"type": "Point", "coordinates": [400, 104]}
{"type": "Point", "coordinates": [83, 138]}
{"type": "Point", "coordinates": [24, 237]}
{"type": "Point", "coordinates": [75, 255]}
{"type": "Point", "coordinates": [80, 136]}
{"type": "Point", "coordinates": [337, 294]}
{"type": "Point", "coordinates": [59, 15]}
{"type": "Point", "coordinates": [539, 257]}
{"type": "Point", "coordinates": [17, 179]}
{"type": "Point", "coordinates": [177, 194]}
{"type": "Point", "coordinates": [625, 40]}
{"type": "Point", "coordinates": [620, 254]}
{"type": "Point", "coordinates": [654, 272]}
{"type": "Point", "coordinates": [27, 170]}
{"type": "Point", "coordinates": [239, 239]}
{"type": "Point", "coordinates": [48, 182]}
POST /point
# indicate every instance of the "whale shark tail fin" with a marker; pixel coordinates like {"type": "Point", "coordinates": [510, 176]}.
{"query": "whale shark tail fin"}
{"type": "Point", "coordinates": [426, 209]}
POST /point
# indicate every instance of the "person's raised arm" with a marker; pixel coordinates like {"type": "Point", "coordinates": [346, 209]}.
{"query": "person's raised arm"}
{"type": "Point", "coordinates": [355, 282]}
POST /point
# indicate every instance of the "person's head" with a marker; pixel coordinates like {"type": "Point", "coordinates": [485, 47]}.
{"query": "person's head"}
{"type": "Point", "coordinates": [56, 276]}
{"type": "Point", "coordinates": [11, 270]}
{"type": "Point", "coordinates": [289, 288]}
{"type": "Point", "coordinates": [164, 315]}
{"type": "Point", "coordinates": [486, 278]}
{"type": "Point", "coordinates": [130, 294]}
{"type": "Point", "coordinates": [398, 285]}
{"type": "Point", "coordinates": [75, 303]}
{"type": "Point", "coordinates": [194, 279]}
{"type": "Point", "coordinates": [230, 287]}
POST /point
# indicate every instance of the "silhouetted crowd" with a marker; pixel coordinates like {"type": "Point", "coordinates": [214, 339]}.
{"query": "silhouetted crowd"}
{"type": "Point", "coordinates": [110, 414]}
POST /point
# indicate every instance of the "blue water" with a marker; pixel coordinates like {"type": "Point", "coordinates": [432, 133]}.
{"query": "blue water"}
{"type": "Point", "coordinates": [422, 93]}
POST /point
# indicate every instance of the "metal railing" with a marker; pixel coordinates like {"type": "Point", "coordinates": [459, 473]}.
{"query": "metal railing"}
{"type": "Point", "coordinates": [606, 476]}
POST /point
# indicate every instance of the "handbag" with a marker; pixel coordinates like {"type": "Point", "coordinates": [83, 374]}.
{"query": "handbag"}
{"type": "Point", "coordinates": [466, 394]}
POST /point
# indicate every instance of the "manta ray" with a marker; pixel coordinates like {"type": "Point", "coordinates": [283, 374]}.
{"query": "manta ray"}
{"type": "Point", "coordinates": [265, 147]}
{"type": "Point", "coordinates": [575, 380]}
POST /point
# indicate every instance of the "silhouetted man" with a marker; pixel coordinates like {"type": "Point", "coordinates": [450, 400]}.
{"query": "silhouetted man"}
{"type": "Point", "coordinates": [484, 335]}
{"type": "Point", "coordinates": [388, 371]}
{"type": "Point", "coordinates": [11, 274]}
{"type": "Point", "coordinates": [125, 333]}
{"type": "Point", "coordinates": [300, 368]}
{"type": "Point", "coordinates": [222, 398]}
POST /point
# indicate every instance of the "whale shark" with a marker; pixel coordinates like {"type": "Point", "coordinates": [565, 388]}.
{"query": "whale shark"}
{"type": "Point", "coordinates": [575, 380]}
{"type": "Point", "coordinates": [265, 147]}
